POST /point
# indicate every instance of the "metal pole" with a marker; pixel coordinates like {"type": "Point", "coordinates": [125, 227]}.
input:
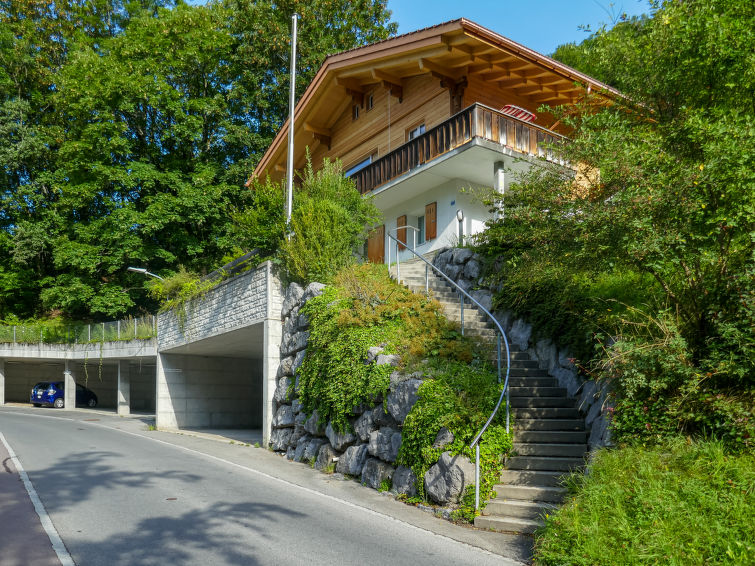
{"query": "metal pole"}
{"type": "Point", "coordinates": [398, 264]}
{"type": "Point", "coordinates": [462, 313]}
{"type": "Point", "coordinates": [291, 104]}
{"type": "Point", "coordinates": [477, 477]}
{"type": "Point", "coordinates": [427, 281]}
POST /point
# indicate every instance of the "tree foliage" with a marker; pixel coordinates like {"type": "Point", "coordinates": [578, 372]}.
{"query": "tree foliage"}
{"type": "Point", "coordinates": [665, 187]}
{"type": "Point", "coordinates": [127, 129]}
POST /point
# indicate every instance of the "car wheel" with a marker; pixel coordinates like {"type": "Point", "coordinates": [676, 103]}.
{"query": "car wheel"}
{"type": "Point", "coordinates": [92, 403]}
{"type": "Point", "coordinates": [59, 403]}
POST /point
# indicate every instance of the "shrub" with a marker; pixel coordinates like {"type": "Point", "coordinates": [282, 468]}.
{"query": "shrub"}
{"type": "Point", "coordinates": [329, 225]}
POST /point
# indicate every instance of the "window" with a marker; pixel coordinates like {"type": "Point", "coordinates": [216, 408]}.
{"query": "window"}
{"type": "Point", "coordinates": [368, 102]}
{"type": "Point", "coordinates": [421, 228]}
{"type": "Point", "coordinates": [355, 112]}
{"type": "Point", "coordinates": [415, 132]}
{"type": "Point", "coordinates": [358, 167]}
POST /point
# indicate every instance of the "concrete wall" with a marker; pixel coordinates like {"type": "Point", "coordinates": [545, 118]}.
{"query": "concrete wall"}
{"type": "Point", "coordinates": [202, 392]}
{"type": "Point", "coordinates": [142, 386]}
{"type": "Point", "coordinates": [20, 377]}
{"type": "Point", "coordinates": [106, 350]}
{"type": "Point", "coordinates": [234, 303]}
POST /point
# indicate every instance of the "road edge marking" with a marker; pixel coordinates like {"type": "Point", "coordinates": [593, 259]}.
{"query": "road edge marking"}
{"type": "Point", "coordinates": [57, 543]}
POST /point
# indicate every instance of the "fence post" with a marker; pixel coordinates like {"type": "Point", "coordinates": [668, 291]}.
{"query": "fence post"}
{"type": "Point", "coordinates": [14, 333]}
{"type": "Point", "coordinates": [89, 332]}
{"type": "Point", "coordinates": [118, 331]}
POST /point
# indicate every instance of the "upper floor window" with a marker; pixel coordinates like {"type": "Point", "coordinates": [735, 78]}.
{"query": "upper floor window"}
{"type": "Point", "coordinates": [355, 112]}
{"type": "Point", "coordinates": [358, 167]}
{"type": "Point", "coordinates": [415, 132]}
{"type": "Point", "coordinates": [368, 101]}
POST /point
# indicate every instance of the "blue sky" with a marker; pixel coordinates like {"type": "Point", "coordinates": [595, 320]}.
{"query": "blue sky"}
{"type": "Point", "coordinates": [541, 25]}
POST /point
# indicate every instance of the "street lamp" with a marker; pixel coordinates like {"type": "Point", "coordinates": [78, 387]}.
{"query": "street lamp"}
{"type": "Point", "coordinates": [143, 271]}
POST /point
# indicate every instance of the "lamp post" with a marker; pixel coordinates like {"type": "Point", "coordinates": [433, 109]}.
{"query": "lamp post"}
{"type": "Point", "coordinates": [460, 218]}
{"type": "Point", "coordinates": [143, 271]}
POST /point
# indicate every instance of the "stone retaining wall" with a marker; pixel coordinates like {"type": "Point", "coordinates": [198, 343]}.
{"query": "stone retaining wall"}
{"type": "Point", "coordinates": [368, 451]}
{"type": "Point", "coordinates": [465, 268]}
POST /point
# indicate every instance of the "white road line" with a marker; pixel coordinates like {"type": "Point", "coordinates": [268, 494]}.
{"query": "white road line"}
{"type": "Point", "coordinates": [288, 484]}
{"type": "Point", "coordinates": [44, 518]}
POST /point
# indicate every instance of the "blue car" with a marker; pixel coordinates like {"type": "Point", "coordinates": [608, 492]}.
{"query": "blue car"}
{"type": "Point", "coordinates": [53, 393]}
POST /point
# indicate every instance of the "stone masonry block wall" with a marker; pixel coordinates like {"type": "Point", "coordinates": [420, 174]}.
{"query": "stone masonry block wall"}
{"type": "Point", "coordinates": [465, 268]}
{"type": "Point", "coordinates": [234, 303]}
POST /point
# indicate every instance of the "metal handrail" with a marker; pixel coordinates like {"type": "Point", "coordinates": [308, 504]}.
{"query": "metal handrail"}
{"type": "Point", "coordinates": [502, 335]}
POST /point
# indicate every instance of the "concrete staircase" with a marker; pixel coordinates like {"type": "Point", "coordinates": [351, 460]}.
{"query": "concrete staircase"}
{"type": "Point", "coordinates": [550, 439]}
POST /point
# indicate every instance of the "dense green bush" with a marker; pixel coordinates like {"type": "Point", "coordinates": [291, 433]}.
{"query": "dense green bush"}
{"type": "Point", "coordinates": [329, 225]}
{"type": "Point", "coordinates": [680, 503]}
{"type": "Point", "coordinates": [364, 308]}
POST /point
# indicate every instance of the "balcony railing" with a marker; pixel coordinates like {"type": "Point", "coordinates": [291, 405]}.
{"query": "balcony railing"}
{"type": "Point", "coordinates": [474, 121]}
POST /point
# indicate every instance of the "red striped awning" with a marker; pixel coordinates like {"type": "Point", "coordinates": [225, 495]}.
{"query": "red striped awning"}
{"type": "Point", "coordinates": [519, 112]}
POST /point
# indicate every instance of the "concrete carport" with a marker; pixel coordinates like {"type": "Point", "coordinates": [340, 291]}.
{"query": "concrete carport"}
{"type": "Point", "coordinates": [218, 356]}
{"type": "Point", "coordinates": [121, 374]}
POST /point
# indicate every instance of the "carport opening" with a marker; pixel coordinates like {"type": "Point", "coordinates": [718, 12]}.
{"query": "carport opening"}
{"type": "Point", "coordinates": [213, 384]}
{"type": "Point", "coordinates": [99, 377]}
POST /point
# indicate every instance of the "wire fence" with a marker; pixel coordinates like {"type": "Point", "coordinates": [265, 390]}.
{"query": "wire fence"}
{"type": "Point", "coordinates": [141, 328]}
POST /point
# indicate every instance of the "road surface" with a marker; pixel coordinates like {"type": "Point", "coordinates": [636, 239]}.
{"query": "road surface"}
{"type": "Point", "coordinates": [119, 494]}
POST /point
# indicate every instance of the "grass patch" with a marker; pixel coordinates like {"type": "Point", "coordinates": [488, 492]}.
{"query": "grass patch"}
{"type": "Point", "coordinates": [679, 503]}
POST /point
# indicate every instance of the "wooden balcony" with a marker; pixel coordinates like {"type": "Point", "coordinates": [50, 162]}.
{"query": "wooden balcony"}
{"type": "Point", "coordinates": [476, 121]}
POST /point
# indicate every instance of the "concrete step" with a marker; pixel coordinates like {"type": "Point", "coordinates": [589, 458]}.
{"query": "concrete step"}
{"type": "Point", "coordinates": [524, 363]}
{"type": "Point", "coordinates": [546, 413]}
{"type": "Point", "coordinates": [544, 464]}
{"type": "Point", "coordinates": [532, 510]}
{"type": "Point", "coordinates": [533, 402]}
{"type": "Point", "coordinates": [530, 493]}
{"type": "Point", "coordinates": [530, 477]}
{"type": "Point", "coordinates": [523, 424]}
{"type": "Point", "coordinates": [518, 391]}
{"type": "Point", "coordinates": [520, 356]}
{"type": "Point", "coordinates": [551, 436]}
{"type": "Point", "coordinates": [506, 524]}
{"type": "Point", "coordinates": [532, 381]}
{"type": "Point", "coordinates": [544, 449]}
{"type": "Point", "coordinates": [528, 372]}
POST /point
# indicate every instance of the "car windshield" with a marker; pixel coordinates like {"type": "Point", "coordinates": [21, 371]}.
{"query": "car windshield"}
{"type": "Point", "coordinates": [42, 385]}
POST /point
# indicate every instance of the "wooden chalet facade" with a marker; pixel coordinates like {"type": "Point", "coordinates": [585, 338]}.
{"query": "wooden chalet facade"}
{"type": "Point", "coordinates": [418, 118]}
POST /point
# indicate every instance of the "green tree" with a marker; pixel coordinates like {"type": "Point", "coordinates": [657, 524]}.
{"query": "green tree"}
{"type": "Point", "coordinates": [674, 198]}
{"type": "Point", "coordinates": [129, 128]}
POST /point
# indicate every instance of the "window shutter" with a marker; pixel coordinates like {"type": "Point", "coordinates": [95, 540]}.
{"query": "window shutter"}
{"type": "Point", "coordinates": [431, 221]}
{"type": "Point", "coordinates": [401, 234]}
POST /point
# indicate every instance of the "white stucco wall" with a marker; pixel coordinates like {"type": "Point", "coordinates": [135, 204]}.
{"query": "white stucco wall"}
{"type": "Point", "coordinates": [450, 198]}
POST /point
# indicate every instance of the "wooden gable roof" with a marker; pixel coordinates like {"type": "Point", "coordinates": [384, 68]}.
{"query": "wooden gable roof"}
{"type": "Point", "coordinates": [451, 52]}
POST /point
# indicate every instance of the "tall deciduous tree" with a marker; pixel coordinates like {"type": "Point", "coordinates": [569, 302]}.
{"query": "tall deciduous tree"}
{"type": "Point", "coordinates": [132, 140]}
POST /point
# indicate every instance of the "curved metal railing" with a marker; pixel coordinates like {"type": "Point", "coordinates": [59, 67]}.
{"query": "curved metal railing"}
{"type": "Point", "coordinates": [501, 336]}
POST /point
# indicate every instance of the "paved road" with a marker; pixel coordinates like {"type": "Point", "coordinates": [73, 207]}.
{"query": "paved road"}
{"type": "Point", "coordinates": [121, 495]}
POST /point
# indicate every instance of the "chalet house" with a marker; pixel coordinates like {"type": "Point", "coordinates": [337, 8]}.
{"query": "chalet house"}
{"type": "Point", "coordinates": [418, 118]}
